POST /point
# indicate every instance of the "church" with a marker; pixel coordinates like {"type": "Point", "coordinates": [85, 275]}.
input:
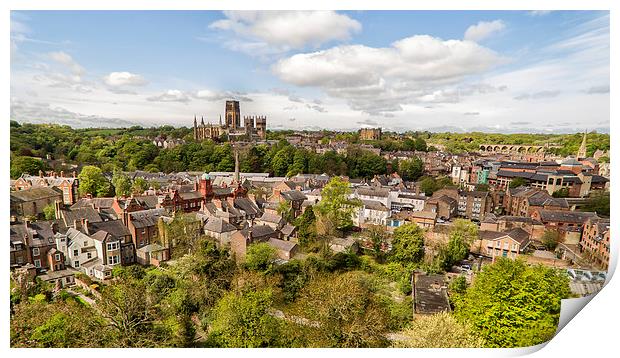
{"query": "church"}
{"type": "Point", "coordinates": [254, 127]}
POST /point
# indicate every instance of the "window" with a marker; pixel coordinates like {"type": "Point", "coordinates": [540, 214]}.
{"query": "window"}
{"type": "Point", "coordinates": [75, 253]}
{"type": "Point", "coordinates": [85, 243]}
{"type": "Point", "coordinates": [107, 273]}
{"type": "Point", "coordinates": [57, 256]}
{"type": "Point", "coordinates": [35, 251]}
{"type": "Point", "coordinates": [113, 246]}
{"type": "Point", "coordinates": [76, 264]}
{"type": "Point", "coordinates": [89, 255]}
{"type": "Point", "coordinates": [37, 263]}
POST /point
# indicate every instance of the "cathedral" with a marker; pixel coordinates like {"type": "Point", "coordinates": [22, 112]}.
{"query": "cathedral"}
{"type": "Point", "coordinates": [254, 127]}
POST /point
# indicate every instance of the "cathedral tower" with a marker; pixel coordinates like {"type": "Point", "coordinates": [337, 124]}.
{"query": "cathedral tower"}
{"type": "Point", "coordinates": [233, 115]}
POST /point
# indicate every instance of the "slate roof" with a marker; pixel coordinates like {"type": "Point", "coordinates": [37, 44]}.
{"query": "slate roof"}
{"type": "Point", "coordinates": [258, 232]}
{"type": "Point", "coordinates": [271, 218]}
{"type": "Point", "coordinates": [34, 194]}
{"type": "Point", "coordinates": [77, 214]}
{"type": "Point", "coordinates": [115, 228]}
{"type": "Point", "coordinates": [146, 218]}
{"type": "Point", "coordinates": [218, 225]}
{"type": "Point", "coordinates": [575, 217]}
{"type": "Point", "coordinates": [374, 205]}
{"type": "Point", "coordinates": [293, 195]}
{"type": "Point", "coordinates": [246, 205]}
{"type": "Point", "coordinates": [103, 203]}
{"type": "Point", "coordinates": [147, 201]}
{"type": "Point", "coordinates": [287, 229]}
{"type": "Point", "coordinates": [282, 245]}
{"type": "Point", "coordinates": [371, 191]}
{"type": "Point", "coordinates": [38, 234]}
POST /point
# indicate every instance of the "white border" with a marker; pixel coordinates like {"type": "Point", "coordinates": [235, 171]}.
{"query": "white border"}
{"type": "Point", "coordinates": [591, 332]}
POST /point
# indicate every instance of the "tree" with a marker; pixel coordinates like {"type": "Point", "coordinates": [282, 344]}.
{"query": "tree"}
{"type": "Point", "coordinates": [517, 182]}
{"type": "Point", "coordinates": [336, 208]}
{"type": "Point", "coordinates": [598, 203]}
{"type": "Point", "coordinates": [121, 183]}
{"type": "Point", "coordinates": [260, 256]}
{"type": "Point", "coordinates": [50, 212]}
{"type": "Point", "coordinates": [26, 165]}
{"type": "Point", "coordinates": [60, 324]}
{"type": "Point", "coordinates": [341, 310]}
{"type": "Point", "coordinates": [440, 330]}
{"type": "Point", "coordinates": [561, 193]}
{"type": "Point", "coordinates": [458, 286]}
{"type": "Point", "coordinates": [378, 236]}
{"type": "Point", "coordinates": [511, 304]}
{"type": "Point", "coordinates": [408, 244]}
{"type": "Point", "coordinates": [139, 186]}
{"type": "Point", "coordinates": [551, 239]}
{"type": "Point", "coordinates": [462, 235]}
{"type": "Point", "coordinates": [242, 320]}
{"type": "Point", "coordinates": [92, 181]}
{"type": "Point", "coordinates": [411, 169]}
{"type": "Point", "coordinates": [430, 185]}
{"type": "Point", "coordinates": [306, 226]}
{"type": "Point", "coordinates": [131, 311]}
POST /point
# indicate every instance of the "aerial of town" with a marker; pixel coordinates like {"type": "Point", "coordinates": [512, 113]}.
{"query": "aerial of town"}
{"type": "Point", "coordinates": [236, 226]}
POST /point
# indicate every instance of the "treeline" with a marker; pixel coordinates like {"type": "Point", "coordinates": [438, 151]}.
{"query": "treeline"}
{"type": "Point", "coordinates": [112, 151]}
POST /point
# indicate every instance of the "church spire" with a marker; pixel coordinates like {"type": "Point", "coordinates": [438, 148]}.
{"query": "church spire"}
{"type": "Point", "coordinates": [202, 120]}
{"type": "Point", "coordinates": [220, 120]}
{"type": "Point", "coordinates": [583, 149]}
{"type": "Point", "coordinates": [237, 166]}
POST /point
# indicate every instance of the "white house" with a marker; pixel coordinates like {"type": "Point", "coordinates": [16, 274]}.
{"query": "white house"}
{"type": "Point", "coordinates": [371, 213]}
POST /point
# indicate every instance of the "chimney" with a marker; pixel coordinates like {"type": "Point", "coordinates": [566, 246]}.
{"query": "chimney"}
{"type": "Point", "coordinates": [54, 227]}
{"type": "Point", "coordinates": [76, 225]}
{"type": "Point", "coordinates": [85, 226]}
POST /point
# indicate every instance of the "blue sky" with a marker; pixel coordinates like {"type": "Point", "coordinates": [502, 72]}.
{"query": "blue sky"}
{"type": "Point", "coordinates": [495, 71]}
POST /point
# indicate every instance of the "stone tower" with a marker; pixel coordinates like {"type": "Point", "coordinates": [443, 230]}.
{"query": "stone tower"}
{"type": "Point", "coordinates": [583, 149]}
{"type": "Point", "coordinates": [233, 115]}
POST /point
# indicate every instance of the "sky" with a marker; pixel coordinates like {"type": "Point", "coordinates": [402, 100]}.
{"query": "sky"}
{"type": "Point", "coordinates": [490, 71]}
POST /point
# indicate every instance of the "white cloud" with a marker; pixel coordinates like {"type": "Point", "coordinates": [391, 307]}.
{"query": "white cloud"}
{"type": "Point", "coordinates": [483, 30]}
{"type": "Point", "coordinates": [65, 59]}
{"type": "Point", "coordinates": [170, 96]}
{"type": "Point", "coordinates": [380, 80]}
{"type": "Point", "coordinates": [212, 96]}
{"type": "Point", "coordinates": [539, 12]}
{"type": "Point", "coordinates": [40, 112]}
{"type": "Point", "coordinates": [120, 79]}
{"type": "Point", "coordinates": [268, 32]}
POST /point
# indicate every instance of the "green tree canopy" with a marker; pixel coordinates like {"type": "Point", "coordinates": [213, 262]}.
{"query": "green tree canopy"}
{"type": "Point", "coordinates": [335, 206]}
{"type": "Point", "coordinates": [411, 169]}
{"type": "Point", "coordinates": [462, 235]}
{"type": "Point", "coordinates": [511, 304]}
{"type": "Point", "coordinates": [439, 330]}
{"type": "Point", "coordinates": [408, 244]}
{"type": "Point", "coordinates": [92, 181]}
{"type": "Point", "coordinates": [26, 165]}
{"type": "Point", "coordinates": [517, 182]}
{"type": "Point", "coordinates": [342, 311]}
{"type": "Point", "coordinates": [121, 183]}
{"type": "Point", "coordinates": [551, 239]}
{"type": "Point", "coordinates": [260, 256]}
{"type": "Point", "coordinates": [242, 320]}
